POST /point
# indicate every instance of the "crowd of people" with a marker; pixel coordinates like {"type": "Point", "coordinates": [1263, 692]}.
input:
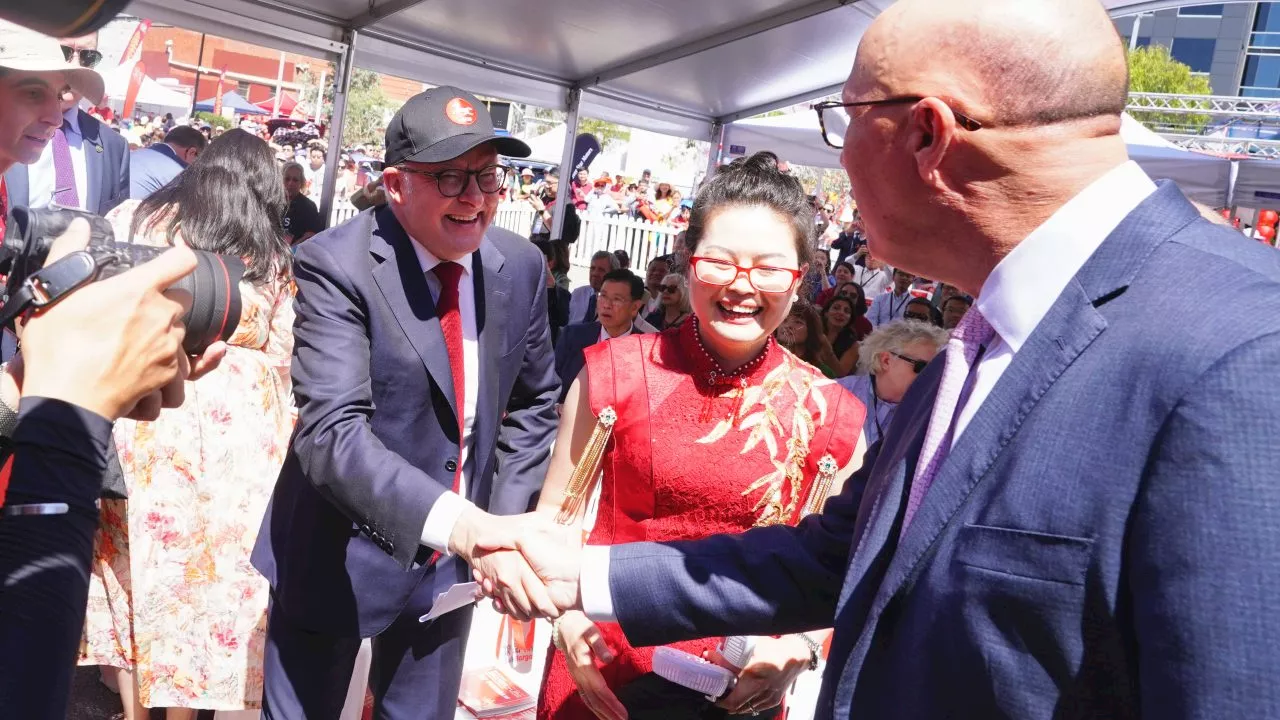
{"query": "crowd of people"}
{"type": "Point", "coordinates": [975, 453]}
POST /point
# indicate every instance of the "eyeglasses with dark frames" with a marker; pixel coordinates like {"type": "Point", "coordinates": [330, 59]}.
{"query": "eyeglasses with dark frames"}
{"type": "Point", "coordinates": [453, 183]}
{"type": "Point", "coordinates": [917, 365]}
{"type": "Point", "coordinates": [837, 141]}
{"type": "Point", "coordinates": [764, 278]}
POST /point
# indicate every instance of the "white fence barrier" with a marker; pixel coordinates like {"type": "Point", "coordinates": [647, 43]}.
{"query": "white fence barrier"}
{"type": "Point", "coordinates": [643, 240]}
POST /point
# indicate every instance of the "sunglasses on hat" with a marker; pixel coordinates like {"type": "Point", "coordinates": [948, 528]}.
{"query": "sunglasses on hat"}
{"type": "Point", "coordinates": [87, 58]}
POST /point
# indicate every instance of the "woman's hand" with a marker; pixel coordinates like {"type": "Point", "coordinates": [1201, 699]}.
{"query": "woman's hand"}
{"type": "Point", "coordinates": [775, 665]}
{"type": "Point", "coordinates": [583, 643]}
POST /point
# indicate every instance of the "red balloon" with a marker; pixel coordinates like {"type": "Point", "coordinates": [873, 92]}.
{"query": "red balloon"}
{"type": "Point", "coordinates": [1268, 232]}
{"type": "Point", "coordinates": [1268, 217]}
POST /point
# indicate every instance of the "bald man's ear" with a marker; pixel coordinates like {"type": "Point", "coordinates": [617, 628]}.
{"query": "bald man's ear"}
{"type": "Point", "coordinates": [931, 131]}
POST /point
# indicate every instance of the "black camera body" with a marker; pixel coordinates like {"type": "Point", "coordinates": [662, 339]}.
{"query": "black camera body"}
{"type": "Point", "coordinates": [214, 285]}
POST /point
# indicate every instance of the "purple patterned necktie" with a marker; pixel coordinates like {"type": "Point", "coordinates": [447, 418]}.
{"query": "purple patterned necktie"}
{"type": "Point", "coordinates": [967, 338]}
{"type": "Point", "coordinates": [64, 174]}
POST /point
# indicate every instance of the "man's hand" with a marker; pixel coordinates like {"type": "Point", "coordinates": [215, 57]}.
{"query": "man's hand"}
{"type": "Point", "coordinates": [110, 345]}
{"type": "Point", "coordinates": [554, 552]}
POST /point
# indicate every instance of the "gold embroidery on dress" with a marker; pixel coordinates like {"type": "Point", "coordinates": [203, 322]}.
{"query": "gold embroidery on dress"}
{"type": "Point", "coordinates": [582, 479]}
{"type": "Point", "coordinates": [782, 487]}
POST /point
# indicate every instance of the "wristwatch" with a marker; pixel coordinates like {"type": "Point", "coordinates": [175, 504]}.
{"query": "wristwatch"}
{"type": "Point", "coordinates": [815, 650]}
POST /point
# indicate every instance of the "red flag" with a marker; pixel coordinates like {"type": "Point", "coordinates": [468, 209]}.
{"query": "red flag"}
{"type": "Point", "coordinates": [135, 83]}
{"type": "Point", "coordinates": [135, 42]}
{"type": "Point", "coordinates": [217, 99]}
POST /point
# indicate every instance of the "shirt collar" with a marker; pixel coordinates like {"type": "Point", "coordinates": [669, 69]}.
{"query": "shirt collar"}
{"type": "Point", "coordinates": [428, 261]}
{"type": "Point", "coordinates": [1024, 285]}
{"type": "Point", "coordinates": [604, 334]}
{"type": "Point", "coordinates": [72, 117]}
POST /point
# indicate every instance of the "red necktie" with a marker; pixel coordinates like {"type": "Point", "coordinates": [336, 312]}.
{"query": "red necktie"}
{"type": "Point", "coordinates": [451, 323]}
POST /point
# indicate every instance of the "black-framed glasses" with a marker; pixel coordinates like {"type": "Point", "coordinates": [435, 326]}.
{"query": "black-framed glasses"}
{"type": "Point", "coordinates": [453, 183]}
{"type": "Point", "coordinates": [917, 365]}
{"type": "Point", "coordinates": [88, 58]}
{"type": "Point", "coordinates": [833, 132]}
{"type": "Point", "coordinates": [764, 278]}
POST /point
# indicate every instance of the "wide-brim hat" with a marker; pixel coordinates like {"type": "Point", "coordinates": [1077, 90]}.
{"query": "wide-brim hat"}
{"type": "Point", "coordinates": [25, 50]}
{"type": "Point", "coordinates": [441, 124]}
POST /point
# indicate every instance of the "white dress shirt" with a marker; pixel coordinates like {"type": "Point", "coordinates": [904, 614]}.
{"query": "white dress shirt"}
{"type": "Point", "coordinates": [873, 282]}
{"type": "Point", "coordinates": [41, 177]}
{"type": "Point", "coordinates": [444, 513]}
{"type": "Point", "coordinates": [604, 334]}
{"type": "Point", "coordinates": [1014, 299]}
{"type": "Point", "coordinates": [887, 307]}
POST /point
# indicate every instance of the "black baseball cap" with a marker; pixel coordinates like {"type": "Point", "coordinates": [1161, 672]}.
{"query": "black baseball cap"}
{"type": "Point", "coordinates": [441, 124]}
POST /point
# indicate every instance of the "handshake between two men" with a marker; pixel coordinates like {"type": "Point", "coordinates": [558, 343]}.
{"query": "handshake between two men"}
{"type": "Point", "coordinates": [528, 565]}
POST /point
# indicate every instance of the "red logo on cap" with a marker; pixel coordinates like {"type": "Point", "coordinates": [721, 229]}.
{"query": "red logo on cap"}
{"type": "Point", "coordinates": [460, 112]}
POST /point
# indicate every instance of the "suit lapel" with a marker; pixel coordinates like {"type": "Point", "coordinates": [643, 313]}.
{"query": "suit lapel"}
{"type": "Point", "coordinates": [404, 286]}
{"type": "Point", "coordinates": [94, 158]}
{"type": "Point", "coordinates": [492, 306]}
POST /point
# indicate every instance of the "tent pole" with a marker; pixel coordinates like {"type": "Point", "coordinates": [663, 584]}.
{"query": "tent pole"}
{"type": "Point", "coordinates": [195, 89]}
{"type": "Point", "coordinates": [719, 131]}
{"type": "Point", "coordinates": [338, 119]}
{"type": "Point", "coordinates": [275, 106]}
{"type": "Point", "coordinates": [565, 193]}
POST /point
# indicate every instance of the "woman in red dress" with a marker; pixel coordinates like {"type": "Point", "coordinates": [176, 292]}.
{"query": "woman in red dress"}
{"type": "Point", "coordinates": [718, 429]}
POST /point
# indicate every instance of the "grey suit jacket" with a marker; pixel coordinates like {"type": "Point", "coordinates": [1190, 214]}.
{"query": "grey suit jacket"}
{"type": "Point", "coordinates": [1102, 541]}
{"type": "Point", "coordinates": [106, 163]}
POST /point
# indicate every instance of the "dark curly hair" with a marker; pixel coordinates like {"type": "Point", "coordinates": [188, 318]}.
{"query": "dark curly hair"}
{"type": "Point", "coordinates": [748, 182]}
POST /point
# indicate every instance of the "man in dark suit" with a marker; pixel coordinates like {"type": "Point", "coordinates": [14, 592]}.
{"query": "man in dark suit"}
{"type": "Point", "coordinates": [426, 394]}
{"type": "Point", "coordinates": [618, 304]}
{"type": "Point", "coordinates": [1074, 510]}
{"type": "Point", "coordinates": [84, 166]}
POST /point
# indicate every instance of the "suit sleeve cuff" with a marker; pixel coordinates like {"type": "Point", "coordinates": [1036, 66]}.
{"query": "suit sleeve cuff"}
{"type": "Point", "coordinates": [441, 518]}
{"type": "Point", "coordinates": [593, 584]}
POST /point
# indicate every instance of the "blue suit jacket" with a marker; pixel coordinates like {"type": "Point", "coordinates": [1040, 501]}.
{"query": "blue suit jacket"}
{"type": "Point", "coordinates": [106, 164]}
{"type": "Point", "coordinates": [377, 436]}
{"type": "Point", "coordinates": [569, 358]}
{"type": "Point", "coordinates": [1102, 542]}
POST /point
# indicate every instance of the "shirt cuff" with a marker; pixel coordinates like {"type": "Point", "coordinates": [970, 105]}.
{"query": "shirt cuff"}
{"type": "Point", "coordinates": [593, 584]}
{"type": "Point", "coordinates": [441, 518]}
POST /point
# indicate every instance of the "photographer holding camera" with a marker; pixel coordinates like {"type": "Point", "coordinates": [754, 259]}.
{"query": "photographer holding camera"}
{"type": "Point", "coordinates": [92, 352]}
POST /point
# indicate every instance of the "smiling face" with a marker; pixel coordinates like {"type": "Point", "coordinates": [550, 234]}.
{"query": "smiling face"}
{"type": "Point", "coordinates": [32, 112]}
{"type": "Point", "coordinates": [839, 314]}
{"type": "Point", "coordinates": [654, 274]}
{"type": "Point", "coordinates": [737, 319]}
{"type": "Point", "coordinates": [450, 228]}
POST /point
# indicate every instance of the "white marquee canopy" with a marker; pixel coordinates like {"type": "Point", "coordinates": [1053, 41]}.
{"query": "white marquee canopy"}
{"type": "Point", "coordinates": [670, 66]}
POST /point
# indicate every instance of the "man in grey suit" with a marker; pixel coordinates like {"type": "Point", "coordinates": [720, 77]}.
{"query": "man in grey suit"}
{"type": "Point", "coordinates": [1074, 512]}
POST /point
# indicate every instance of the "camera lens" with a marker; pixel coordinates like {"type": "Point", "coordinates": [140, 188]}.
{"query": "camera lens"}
{"type": "Point", "coordinates": [215, 300]}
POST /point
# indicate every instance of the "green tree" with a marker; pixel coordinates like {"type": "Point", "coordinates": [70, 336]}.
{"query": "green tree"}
{"type": "Point", "coordinates": [367, 110]}
{"type": "Point", "coordinates": [609, 134]}
{"type": "Point", "coordinates": [1153, 69]}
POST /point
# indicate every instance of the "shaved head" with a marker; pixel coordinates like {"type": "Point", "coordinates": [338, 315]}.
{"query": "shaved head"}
{"type": "Point", "coordinates": [1046, 82]}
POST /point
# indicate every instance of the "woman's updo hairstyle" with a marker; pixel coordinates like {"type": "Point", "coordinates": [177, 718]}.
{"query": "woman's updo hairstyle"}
{"type": "Point", "coordinates": [748, 182]}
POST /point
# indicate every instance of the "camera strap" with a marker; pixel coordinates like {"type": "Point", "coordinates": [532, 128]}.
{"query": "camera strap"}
{"type": "Point", "coordinates": [48, 285]}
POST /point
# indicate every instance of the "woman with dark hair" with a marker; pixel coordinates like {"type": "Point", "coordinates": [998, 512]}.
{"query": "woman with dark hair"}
{"type": "Point", "coordinates": [860, 324]}
{"type": "Point", "coordinates": [802, 333]}
{"type": "Point", "coordinates": [174, 604]}
{"type": "Point", "coordinates": [921, 310]}
{"type": "Point", "coordinates": [718, 429]}
{"type": "Point", "coordinates": [843, 274]}
{"type": "Point", "coordinates": [837, 321]}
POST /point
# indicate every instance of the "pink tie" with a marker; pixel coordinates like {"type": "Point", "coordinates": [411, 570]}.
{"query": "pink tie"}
{"type": "Point", "coordinates": [972, 333]}
{"type": "Point", "coordinates": [64, 174]}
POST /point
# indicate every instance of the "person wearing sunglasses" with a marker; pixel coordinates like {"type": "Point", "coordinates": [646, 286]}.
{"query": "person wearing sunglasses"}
{"type": "Point", "coordinates": [673, 303]}
{"type": "Point", "coordinates": [921, 310]}
{"type": "Point", "coordinates": [718, 429]}
{"type": "Point", "coordinates": [426, 407]}
{"type": "Point", "coordinates": [86, 164]}
{"type": "Point", "coordinates": [890, 359]}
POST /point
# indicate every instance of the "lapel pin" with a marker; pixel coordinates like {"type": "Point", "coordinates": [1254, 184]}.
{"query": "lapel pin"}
{"type": "Point", "coordinates": [98, 148]}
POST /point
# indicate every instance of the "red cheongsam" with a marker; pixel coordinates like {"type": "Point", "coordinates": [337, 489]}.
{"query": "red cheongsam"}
{"type": "Point", "coordinates": [696, 452]}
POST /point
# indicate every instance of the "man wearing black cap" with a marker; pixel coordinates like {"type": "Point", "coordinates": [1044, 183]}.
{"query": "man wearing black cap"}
{"type": "Point", "coordinates": [426, 392]}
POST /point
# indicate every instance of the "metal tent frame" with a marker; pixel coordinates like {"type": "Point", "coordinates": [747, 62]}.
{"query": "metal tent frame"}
{"type": "Point", "coordinates": [671, 66]}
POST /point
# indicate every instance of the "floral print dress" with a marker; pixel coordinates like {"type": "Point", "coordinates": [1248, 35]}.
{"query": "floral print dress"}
{"type": "Point", "coordinates": [173, 596]}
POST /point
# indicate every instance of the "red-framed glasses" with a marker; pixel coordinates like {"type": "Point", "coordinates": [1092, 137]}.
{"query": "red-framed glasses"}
{"type": "Point", "coordinates": [764, 278]}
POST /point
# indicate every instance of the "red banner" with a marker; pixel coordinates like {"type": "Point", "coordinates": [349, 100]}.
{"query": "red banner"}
{"type": "Point", "coordinates": [217, 99]}
{"type": "Point", "coordinates": [134, 47]}
{"type": "Point", "coordinates": [135, 83]}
